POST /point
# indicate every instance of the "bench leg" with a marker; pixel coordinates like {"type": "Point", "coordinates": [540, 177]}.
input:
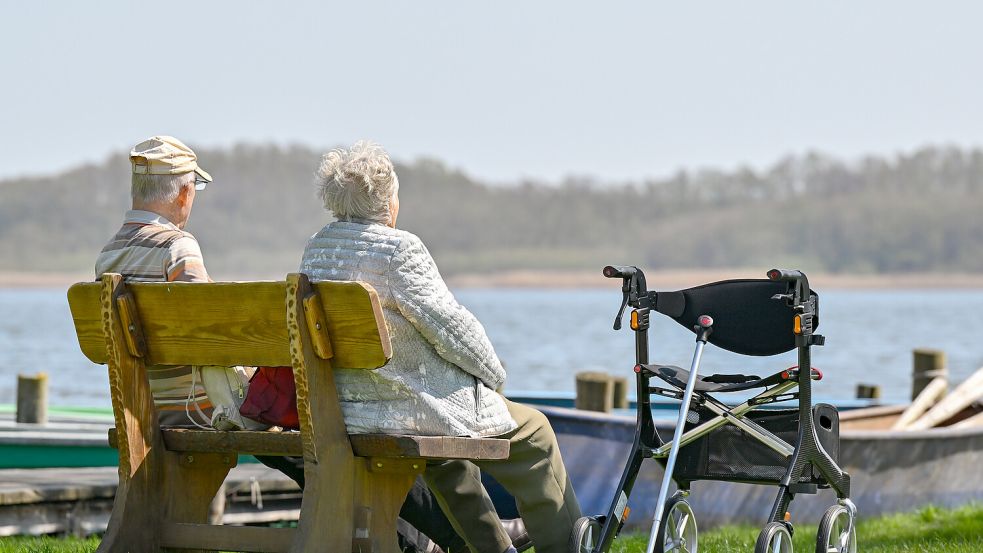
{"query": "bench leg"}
{"type": "Point", "coordinates": [194, 479]}
{"type": "Point", "coordinates": [166, 487]}
{"type": "Point", "coordinates": [133, 525]}
{"type": "Point", "coordinates": [381, 486]}
{"type": "Point", "coordinates": [325, 522]}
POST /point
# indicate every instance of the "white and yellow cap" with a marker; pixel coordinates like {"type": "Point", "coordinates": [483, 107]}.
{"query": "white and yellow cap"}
{"type": "Point", "coordinates": [165, 155]}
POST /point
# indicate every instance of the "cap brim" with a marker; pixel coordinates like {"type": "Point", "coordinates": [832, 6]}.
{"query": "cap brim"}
{"type": "Point", "coordinates": [201, 173]}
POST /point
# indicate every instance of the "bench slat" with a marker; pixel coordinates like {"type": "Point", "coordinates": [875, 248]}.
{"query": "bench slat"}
{"type": "Point", "coordinates": [241, 323]}
{"type": "Point", "coordinates": [251, 442]}
{"type": "Point", "coordinates": [227, 538]}
{"type": "Point", "coordinates": [364, 445]}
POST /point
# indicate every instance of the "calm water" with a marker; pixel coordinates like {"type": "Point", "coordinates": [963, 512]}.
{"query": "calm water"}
{"type": "Point", "coordinates": [546, 336]}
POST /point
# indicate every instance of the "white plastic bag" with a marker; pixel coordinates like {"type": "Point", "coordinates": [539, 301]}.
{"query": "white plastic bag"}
{"type": "Point", "coordinates": [226, 388]}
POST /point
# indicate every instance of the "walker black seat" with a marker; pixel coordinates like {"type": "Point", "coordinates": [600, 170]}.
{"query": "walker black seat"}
{"type": "Point", "coordinates": [747, 321]}
{"type": "Point", "coordinates": [678, 376]}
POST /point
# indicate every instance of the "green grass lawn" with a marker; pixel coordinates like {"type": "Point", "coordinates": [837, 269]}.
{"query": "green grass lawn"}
{"type": "Point", "coordinates": [926, 530]}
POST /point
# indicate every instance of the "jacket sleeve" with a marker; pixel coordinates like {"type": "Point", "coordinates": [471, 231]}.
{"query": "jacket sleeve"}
{"type": "Point", "coordinates": [423, 298]}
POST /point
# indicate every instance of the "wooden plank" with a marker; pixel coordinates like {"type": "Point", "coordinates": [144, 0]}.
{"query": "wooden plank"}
{"type": "Point", "coordinates": [243, 323]}
{"type": "Point", "coordinates": [962, 397]}
{"type": "Point", "coordinates": [929, 396]}
{"type": "Point", "coordinates": [83, 299]}
{"type": "Point", "coordinates": [356, 325]}
{"type": "Point", "coordinates": [227, 538]}
{"type": "Point", "coordinates": [255, 443]}
{"type": "Point", "coordinates": [429, 447]}
{"type": "Point", "coordinates": [364, 445]}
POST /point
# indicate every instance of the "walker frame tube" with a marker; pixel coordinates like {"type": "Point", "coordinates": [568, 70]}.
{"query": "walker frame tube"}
{"type": "Point", "coordinates": [674, 445]}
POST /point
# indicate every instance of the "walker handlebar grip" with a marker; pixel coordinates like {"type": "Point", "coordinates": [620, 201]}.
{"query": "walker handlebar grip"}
{"type": "Point", "coordinates": [619, 271]}
{"type": "Point", "coordinates": [785, 275]}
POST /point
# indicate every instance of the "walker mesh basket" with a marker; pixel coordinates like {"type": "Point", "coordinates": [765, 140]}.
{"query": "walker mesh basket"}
{"type": "Point", "coordinates": [728, 454]}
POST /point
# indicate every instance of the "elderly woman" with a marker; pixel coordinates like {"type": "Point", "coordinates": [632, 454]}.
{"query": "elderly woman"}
{"type": "Point", "coordinates": [444, 372]}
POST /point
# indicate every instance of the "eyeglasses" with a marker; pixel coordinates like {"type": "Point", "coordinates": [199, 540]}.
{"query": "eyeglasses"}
{"type": "Point", "coordinates": [200, 183]}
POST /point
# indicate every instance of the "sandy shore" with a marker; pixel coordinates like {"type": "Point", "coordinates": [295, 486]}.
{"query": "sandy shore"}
{"type": "Point", "coordinates": [11, 279]}
{"type": "Point", "coordinates": [584, 279]}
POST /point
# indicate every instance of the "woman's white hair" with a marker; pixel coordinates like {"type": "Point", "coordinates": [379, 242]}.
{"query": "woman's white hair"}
{"type": "Point", "coordinates": [358, 183]}
{"type": "Point", "coordinates": [159, 188]}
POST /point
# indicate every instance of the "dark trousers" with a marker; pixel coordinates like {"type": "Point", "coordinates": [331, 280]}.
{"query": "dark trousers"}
{"type": "Point", "coordinates": [420, 508]}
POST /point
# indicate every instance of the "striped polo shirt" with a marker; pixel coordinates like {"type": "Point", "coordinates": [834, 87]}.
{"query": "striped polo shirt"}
{"type": "Point", "coordinates": [149, 248]}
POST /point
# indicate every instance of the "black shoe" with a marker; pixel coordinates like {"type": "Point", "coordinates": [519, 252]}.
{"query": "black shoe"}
{"type": "Point", "coordinates": [516, 530]}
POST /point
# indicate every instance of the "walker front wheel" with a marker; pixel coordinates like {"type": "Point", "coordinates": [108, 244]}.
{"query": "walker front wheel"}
{"type": "Point", "coordinates": [837, 533]}
{"type": "Point", "coordinates": [677, 529]}
{"type": "Point", "coordinates": [774, 538]}
{"type": "Point", "coordinates": [586, 534]}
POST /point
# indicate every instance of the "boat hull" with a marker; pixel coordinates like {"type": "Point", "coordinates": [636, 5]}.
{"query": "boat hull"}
{"type": "Point", "coordinates": [891, 471]}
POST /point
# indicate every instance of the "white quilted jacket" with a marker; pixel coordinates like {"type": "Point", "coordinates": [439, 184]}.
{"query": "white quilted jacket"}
{"type": "Point", "coordinates": [442, 378]}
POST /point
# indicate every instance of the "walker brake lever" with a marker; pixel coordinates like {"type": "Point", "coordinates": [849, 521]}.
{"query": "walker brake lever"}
{"type": "Point", "coordinates": [624, 304]}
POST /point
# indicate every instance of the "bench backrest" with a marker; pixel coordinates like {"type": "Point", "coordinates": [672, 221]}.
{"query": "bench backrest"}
{"type": "Point", "coordinates": [234, 323]}
{"type": "Point", "coordinates": [312, 327]}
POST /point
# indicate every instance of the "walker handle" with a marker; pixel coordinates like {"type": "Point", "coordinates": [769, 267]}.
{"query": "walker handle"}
{"type": "Point", "coordinates": [620, 271]}
{"type": "Point", "coordinates": [785, 275]}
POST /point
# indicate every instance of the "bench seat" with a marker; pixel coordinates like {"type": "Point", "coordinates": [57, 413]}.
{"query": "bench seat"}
{"type": "Point", "coordinates": [384, 446]}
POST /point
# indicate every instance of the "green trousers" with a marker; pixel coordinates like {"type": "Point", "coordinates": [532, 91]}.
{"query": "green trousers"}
{"type": "Point", "coordinates": [534, 474]}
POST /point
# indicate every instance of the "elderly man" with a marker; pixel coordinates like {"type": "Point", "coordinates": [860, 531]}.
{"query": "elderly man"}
{"type": "Point", "coordinates": [153, 246]}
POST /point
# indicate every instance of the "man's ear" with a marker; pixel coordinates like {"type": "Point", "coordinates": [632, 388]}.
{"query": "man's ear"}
{"type": "Point", "coordinates": [184, 196]}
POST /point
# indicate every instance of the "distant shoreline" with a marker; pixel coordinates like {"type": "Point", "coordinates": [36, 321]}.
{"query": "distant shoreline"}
{"type": "Point", "coordinates": [673, 279]}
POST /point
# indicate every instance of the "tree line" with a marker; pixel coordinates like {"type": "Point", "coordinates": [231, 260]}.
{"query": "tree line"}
{"type": "Point", "coordinates": [913, 212]}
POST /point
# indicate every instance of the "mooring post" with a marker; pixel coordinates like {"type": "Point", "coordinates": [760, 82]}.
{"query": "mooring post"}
{"type": "Point", "coordinates": [620, 391]}
{"type": "Point", "coordinates": [927, 364]}
{"type": "Point", "coordinates": [32, 398]}
{"type": "Point", "coordinates": [868, 391]}
{"type": "Point", "coordinates": [595, 392]}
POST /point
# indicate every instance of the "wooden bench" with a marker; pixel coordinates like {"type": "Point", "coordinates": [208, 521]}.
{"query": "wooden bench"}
{"type": "Point", "coordinates": [355, 484]}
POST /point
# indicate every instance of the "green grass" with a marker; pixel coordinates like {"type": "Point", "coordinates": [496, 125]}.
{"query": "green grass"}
{"type": "Point", "coordinates": [25, 544]}
{"type": "Point", "coordinates": [928, 529]}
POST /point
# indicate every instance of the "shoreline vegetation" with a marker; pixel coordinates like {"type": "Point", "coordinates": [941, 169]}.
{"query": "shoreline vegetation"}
{"type": "Point", "coordinates": [572, 279]}
{"type": "Point", "coordinates": [912, 216]}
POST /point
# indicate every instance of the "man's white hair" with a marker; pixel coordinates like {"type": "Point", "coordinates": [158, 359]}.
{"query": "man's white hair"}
{"type": "Point", "coordinates": [358, 183]}
{"type": "Point", "coordinates": [159, 188]}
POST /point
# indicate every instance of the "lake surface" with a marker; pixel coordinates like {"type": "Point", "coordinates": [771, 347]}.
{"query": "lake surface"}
{"type": "Point", "coordinates": [546, 336]}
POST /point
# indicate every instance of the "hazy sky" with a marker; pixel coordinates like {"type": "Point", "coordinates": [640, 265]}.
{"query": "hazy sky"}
{"type": "Point", "coordinates": [502, 90]}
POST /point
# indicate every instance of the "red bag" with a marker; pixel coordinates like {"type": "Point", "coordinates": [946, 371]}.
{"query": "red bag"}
{"type": "Point", "coordinates": [272, 397]}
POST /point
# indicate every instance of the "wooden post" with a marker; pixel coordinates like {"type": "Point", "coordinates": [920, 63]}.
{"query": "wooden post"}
{"type": "Point", "coordinates": [32, 398]}
{"type": "Point", "coordinates": [927, 364]}
{"type": "Point", "coordinates": [620, 391]}
{"type": "Point", "coordinates": [594, 392]}
{"type": "Point", "coordinates": [868, 391]}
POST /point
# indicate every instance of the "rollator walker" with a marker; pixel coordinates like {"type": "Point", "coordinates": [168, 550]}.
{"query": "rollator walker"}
{"type": "Point", "coordinates": [794, 449]}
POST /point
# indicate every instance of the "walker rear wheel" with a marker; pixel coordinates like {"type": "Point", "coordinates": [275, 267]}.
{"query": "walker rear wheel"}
{"type": "Point", "coordinates": [837, 533]}
{"type": "Point", "coordinates": [586, 534]}
{"type": "Point", "coordinates": [677, 529]}
{"type": "Point", "coordinates": [774, 538]}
